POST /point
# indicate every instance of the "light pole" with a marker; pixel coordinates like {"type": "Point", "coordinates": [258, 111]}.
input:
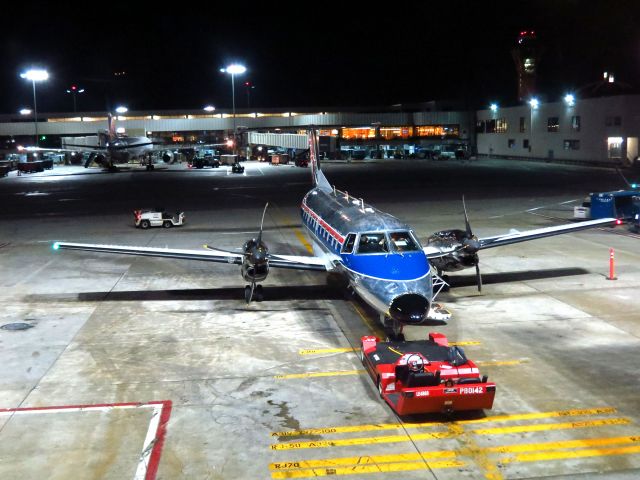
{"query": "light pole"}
{"type": "Point", "coordinates": [74, 90]}
{"type": "Point", "coordinates": [249, 87]}
{"type": "Point", "coordinates": [233, 70]}
{"type": "Point", "coordinates": [534, 103]}
{"type": "Point", "coordinates": [35, 75]}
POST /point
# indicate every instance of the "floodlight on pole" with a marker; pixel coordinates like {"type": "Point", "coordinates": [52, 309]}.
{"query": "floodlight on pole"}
{"type": "Point", "coordinates": [493, 107]}
{"type": "Point", "coordinates": [122, 109]}
{"type": "Point", "coordinates": [74, 90]}
{"type": "Point", "coordinates": [35, 75]}
{"type": "Point", "coordinates": [570, 100]}
{"type": "Point", "coordinates": [209, 108]}
{"type": "Point", "coordinates": [233, 70]}
{"type": "Point", "coordinates": [25, 111]}
{"type": "Point", "coordinates": [534, 103]}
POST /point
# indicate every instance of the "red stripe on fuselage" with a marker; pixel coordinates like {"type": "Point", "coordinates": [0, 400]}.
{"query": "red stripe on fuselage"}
{"type": "Point", "coordinates": [326, 226]}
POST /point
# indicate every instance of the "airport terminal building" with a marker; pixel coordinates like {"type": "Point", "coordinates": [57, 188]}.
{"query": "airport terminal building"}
{"type": "Point", "coordinates": [599, 131]}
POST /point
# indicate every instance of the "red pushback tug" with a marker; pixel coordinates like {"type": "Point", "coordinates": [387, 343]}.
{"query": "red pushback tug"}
{"type": "Point", "coordinates": [426, 376]}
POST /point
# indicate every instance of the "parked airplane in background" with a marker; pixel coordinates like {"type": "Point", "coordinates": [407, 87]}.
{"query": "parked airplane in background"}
{"type": "Point", "coordinates": [109, 148]}
{"type": "Point", "coordinates": [380, 256]}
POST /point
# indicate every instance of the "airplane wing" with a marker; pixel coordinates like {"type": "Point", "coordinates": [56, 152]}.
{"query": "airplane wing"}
{"type": "Point", "coordinates": [209, 255]}
{"type": "Point", "coordinates": [506, 239]}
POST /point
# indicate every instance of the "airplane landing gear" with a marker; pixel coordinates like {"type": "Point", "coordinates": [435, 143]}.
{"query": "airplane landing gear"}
{"type": "Point", "coordinates": [392, 328]}
{"type": "Point", "coordinates": [253, 292]}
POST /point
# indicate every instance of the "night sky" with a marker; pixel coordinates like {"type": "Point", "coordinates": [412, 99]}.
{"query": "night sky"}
{"type": "Point", "coordinates": [336, 56]}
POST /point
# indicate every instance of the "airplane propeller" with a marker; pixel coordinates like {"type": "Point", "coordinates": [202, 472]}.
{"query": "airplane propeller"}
{"type": "Point", "coordinates": [255, 255]}
{"type": "Point", "coordinates": [471, 244]}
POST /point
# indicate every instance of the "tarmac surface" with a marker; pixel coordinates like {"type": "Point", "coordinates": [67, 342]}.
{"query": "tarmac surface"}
{"type": "Point", "coordinates": [133, 367]}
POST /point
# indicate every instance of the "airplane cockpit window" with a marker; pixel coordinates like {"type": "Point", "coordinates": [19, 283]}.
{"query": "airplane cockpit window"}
{"type": "Point", "coordinates": [373, 243]}
{"type": "Point", "coordinates": [403, 242]}
{"type": "Point", "coordinates": [348, 243]}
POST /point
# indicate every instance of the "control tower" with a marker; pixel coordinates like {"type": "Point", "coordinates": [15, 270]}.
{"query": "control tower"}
{"type": "Point", "coordinates": [526, 55]}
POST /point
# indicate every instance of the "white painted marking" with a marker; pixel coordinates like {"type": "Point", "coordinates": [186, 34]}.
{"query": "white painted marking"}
{"type": "Point", "coordinates": [147, 446]}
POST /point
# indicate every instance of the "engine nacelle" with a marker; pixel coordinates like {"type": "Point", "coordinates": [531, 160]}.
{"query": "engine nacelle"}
{"type": "Point", "coordinates": [452, 241]}
{"type": "Point", "coordinates": [255, 266]}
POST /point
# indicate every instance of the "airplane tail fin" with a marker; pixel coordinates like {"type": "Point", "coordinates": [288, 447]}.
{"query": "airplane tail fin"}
{"type": "Point", "coordinates": [111, 127]}
{"type": "Point", "coordinates": [317, 177]}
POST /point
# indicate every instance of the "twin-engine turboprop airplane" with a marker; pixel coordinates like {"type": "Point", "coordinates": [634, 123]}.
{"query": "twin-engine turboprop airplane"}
{"type": "Point", "coordinates": [380, 256]}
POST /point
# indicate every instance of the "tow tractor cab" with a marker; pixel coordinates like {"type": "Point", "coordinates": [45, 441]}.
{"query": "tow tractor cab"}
{"type": "Point", "coordinates": [426, 376]}
{"type": "Point", "coordinates": [157, 217]}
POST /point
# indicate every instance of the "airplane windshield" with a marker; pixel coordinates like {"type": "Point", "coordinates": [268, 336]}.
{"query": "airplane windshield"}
{"type": "Point", "coordinates": [403, 242]}
{"type": "Point", "coordinates": [373, 243]}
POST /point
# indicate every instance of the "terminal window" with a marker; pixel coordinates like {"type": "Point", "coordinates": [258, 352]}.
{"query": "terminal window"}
{"type": "Point", "coordinates": [512, 143]}
{"type": "Point", "coordinates": [575, 123]}
{"type": "Point", "coordinates": [553, 124]}
{"type": "Point", "coordinates": [501, 125]}
{"type": "Point", "coordinates": [522, 125]}
{"type": "Point", "coordinates": [572, 144]}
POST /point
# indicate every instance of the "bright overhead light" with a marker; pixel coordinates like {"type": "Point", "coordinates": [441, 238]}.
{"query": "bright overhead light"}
{"type": "Point", "coordinates": [209, 108]}
{"type": "Point", "coordinates": [569, 99]}
{"type": "Point", "coordinates": [35, 75]}
{"type": "Point", "coordinates": [534, 103]}
{"type": "Point", "coordinates": [493, 107]}
{"type": "Point", "coordinates": [25, 111]}
{"type": "Point", "coordinates": [122, 109]}
{"type": "Point", "coordinates": [234, 69]}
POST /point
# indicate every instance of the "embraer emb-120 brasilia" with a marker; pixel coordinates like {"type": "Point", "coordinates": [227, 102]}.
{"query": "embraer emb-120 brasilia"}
{"type": "Point", "coordinates": [380, 256]}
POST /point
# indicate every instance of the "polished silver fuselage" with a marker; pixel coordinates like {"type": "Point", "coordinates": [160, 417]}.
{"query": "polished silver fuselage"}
{"type": "Point", "coordinates": [331, 216]}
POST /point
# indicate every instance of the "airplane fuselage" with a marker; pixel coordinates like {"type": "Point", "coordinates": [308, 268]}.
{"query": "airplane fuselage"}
{"type": "Point", "coordinates": [379, 255]}
{"type": "Point", "coordinates": [122, 150]}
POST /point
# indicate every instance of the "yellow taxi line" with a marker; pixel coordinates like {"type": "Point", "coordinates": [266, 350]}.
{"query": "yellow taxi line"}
{"type": "Point", "coordinates": [360, 469]}
{"type": "Point", "coordinates": [319, 374]}
{"type": "Point", "coordinates": [322, 351]}
{"type": "Point", "coordinates": [358, 372]}
{"type": "Point", "coordinates": [450, 434]}
{"type": "Point", "coordinates": [551, 426]}
{"type": "Point", "coordinates": [541, 451]}
{"type": "Point", "coordinates": [497, 418]}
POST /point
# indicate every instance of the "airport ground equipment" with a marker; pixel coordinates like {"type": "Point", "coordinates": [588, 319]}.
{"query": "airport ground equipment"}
{"type": "Point", "coordinates": [425, 376]}
{"type": "Point", "coordinates": [622, 205]}
{"type": "Point", "coordinates": [157, 217]}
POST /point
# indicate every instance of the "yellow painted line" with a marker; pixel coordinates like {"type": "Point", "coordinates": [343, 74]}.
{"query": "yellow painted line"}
{"type": "Point", "coordinates": [471, 449]}
{"type": "Point", "coordinates": [309, 468]}
{"type": "Point", "coordinates": [395, 351]}
{"type": "Point", "coordinates": [505, 363]}
{"type": "Point", "coordinates": [320, 351]}
{"type": "Point", "coordinates": [360, 469]}
{"type": "Point", "coordinates": [374, 328]}
{"type": "Point", "coordinates": [300, 236]}
{"type": "Point", "coordinates": [319, 374]}
{"type": "Point", "coordinates": [347, 442]}
{"type": "Point", "coordinates": [396, 426]}
{"type": "Point", "coordinates": [358, 372]}
{"type": "Point", "coordinates": [363, 460]}
{"type": "Point", "coordinates": [571, 454]}
{"type": "Point", "coordinates": [551, 426]}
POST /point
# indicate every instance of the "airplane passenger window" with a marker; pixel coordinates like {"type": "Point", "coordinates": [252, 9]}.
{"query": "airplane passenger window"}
{"type": "Point", "coordinates": [348, 243]}
{"type": "Point", "coordinates": [373, 243]}
{"type": "Point", "coordinates": [403, 242]}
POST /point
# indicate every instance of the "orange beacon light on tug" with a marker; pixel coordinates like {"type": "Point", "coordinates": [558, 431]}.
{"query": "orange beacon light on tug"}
{"type": "Point", "coordinates": [426, 376]}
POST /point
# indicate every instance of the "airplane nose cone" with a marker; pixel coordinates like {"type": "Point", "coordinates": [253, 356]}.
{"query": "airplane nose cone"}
{"type": "Point", "coordinates": [409, 308]}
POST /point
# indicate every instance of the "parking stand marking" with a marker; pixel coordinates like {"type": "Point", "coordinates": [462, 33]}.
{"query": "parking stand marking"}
{"type": "Point", "coordinates": [149, 460]}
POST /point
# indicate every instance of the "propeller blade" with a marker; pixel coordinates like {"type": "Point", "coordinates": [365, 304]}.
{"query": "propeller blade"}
{"type": "Point", "coordinates": [478, 278]}
{"type": "Point", "coordinates": [466, 219]}
{"type": "Point", "coordinates": [253, 287]}
{"type": "Point", "coordinates": [262, 223]}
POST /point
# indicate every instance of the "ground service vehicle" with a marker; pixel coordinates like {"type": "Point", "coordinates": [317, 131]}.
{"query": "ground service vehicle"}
{"type": "Point", "coordinates": [425, 376]}
{"type": "Point", "coordinates": [157, 218]}
{"type": "Point", "coordinates": [623, 205]}
{"type": "Point", "coordinates": [237, 168]}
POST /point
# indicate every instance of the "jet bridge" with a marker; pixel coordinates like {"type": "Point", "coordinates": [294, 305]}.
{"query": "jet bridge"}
{"type": "Point", "coordinates": [284, 140]}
